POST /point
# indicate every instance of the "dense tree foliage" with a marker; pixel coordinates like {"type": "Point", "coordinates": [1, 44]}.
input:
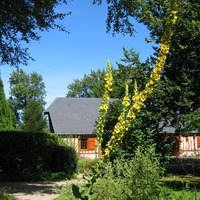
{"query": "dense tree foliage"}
{"type": "Point", "coordinates": [192, 121]}
{"type": "Point", "coordinates": [91, 85]}
{"type": "Point", "coordinates": [5, 112]}
{"type": "Point", "coordinates": [181, 73]}
{"type": "Point", "coordinates": [24, 88]}
{"type": "Point", "coordinates": [177, 93]}
{"type": "Point", "coordinates": [33, 117]}
{"type": "Point", "coordinates": [20, 22]}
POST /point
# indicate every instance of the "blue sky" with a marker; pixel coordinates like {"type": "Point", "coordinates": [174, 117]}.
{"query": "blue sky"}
{"type": "Point", "coordinates": [60, 58]}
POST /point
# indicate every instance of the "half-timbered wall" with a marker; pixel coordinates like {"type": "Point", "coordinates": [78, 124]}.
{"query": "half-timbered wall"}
{"type": "Point", "coordinates": [189, 146]}
{"type": "Point", "coordinates": [85, 145]}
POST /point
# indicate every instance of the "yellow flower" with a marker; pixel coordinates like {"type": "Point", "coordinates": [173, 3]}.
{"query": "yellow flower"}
{"type": "Point", "coordinates": [117, 130]}
{"type": "Point", "coordinates": [136, 106]}
{"type": "Point", "coordinates": [107, 152]}
{"type": "Point", "coordinates": [148, 91]}
{"type": "Point", "coordinates": [156, 70]}
{"type": "Point", "coordinates": [151, 82]}
{"type": "Point", "coordinates": [112, 137]}
{"type": "Point", "coordinates": [110, 83]}
{"type": "Point", "coordinates": [156, 77]}
{"type": "Point", "coordinates": [123, 122]}
{"type": "Point", "coordinates": [106, 77]}
{"type": "Point", "coordinates": [126, 98]}
{"type": "Point", "coordinates": [143, 97]}
{"type": "Point", "coordinates": [106, 86]}
{"type": "Point", "coordinates": [126, 104]}
{"type": "Point", "coordinates": [139, 99]}
{"type": "Point", "coordinates": [131, 115]}
{"type": "Point", "coordinates": [135, 97]}
{"type": "Point", "coordinates": [174, 12]}
{"type": "Point", "coordinates": [174, 20]}
{"type": "Point", "coordinates": [119, 118]}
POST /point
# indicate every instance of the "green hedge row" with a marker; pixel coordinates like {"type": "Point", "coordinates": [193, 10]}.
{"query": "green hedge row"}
{"type": "Point", "coordinates": [30, 155]}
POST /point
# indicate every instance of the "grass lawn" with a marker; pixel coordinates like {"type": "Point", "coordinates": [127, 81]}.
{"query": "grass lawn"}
{"type": "Point", "coordinates": [182, 187]}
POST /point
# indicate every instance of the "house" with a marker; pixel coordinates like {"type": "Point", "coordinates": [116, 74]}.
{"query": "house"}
{"type": "Point", "coordinates": [185, 146]}
{"type": "Point", "coordinates": [74, 119]}
{"type": "Point", "coordinates": [189, 146]}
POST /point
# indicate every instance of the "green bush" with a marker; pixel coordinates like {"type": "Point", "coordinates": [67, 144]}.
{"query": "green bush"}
{"type": "Point", "coordinates": [57, 176]}
{"type": "Point", "coordinates": [129, 179]}
{"type": "Point", "coordinates": [5, 196]}
{"type": "Point", "coordinates": [124, 179]}
{"type": "Point", "coordinates": [29, 155]}
{"type": "Point", "coordinates": [86, 165]}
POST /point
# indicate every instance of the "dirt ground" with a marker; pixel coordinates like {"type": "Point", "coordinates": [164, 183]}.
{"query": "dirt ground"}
{"type": "Point", "coordinates": [34, 190]}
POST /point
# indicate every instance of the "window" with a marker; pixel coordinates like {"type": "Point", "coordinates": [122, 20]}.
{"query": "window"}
{"type": "Point", "coordinates": [83, 143]}
{"type": "Point", "coordinates": [88, 144]}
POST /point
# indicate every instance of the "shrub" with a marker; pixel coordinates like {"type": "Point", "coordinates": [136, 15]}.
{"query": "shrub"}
{"type": "Point", "coordinates": [125, 179]}
{"type": "Point", "coordinates": [5, 196]}
{"type": "Point", "coordinates": [29, 155]}
{"type": "Point", "coordinates": [56, 176]}
{"type": "Point", "coordinates": [129, 179]}
{"type": "Point", "coordinates": [86, 165]}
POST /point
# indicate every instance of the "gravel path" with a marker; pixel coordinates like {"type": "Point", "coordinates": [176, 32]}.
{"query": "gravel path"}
{"type": "Point", "coordinates": [34, 190]}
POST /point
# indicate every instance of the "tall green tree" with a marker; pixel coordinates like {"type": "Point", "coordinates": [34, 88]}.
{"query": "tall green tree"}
{"type": "Point", "coordinates": [177, 93]}
{"type": "Point", "coordinates": [5, 112]}
{"type": "Point", "coordinates": [192, 121]}
{"type": "Point", "coordinates": [20, 22]}
{"type": "Point", "coordinates": [179, 89]}
{"type": "Point", "coordinates": [24, 87]}
{"type": "Point", "coordinates": [33, 117]}
{"type": "Point", "coordinates": [92, 85]}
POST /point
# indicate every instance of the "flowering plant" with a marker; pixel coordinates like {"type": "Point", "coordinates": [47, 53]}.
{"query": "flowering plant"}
{"type": "Point", "coordinates": [104, 104]}
{"type": "Point", "coordinates": [124, 121]}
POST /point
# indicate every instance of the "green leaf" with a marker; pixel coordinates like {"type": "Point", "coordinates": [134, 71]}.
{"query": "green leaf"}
{"type": "Point", "coordinates": [76, 192]}
{"type": "Point", "coordinates": [84, 195]}
{"type": "Point", "coordinates": [149, 40]}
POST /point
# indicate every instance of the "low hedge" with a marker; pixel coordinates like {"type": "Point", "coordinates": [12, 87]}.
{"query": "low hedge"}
{"type": "Point", "coordinates": [30, 155]}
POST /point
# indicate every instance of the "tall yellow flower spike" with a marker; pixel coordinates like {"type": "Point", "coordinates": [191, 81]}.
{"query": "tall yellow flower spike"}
{"type": "Point", "coordinates": [104, 104]}
{"type": "Point", "coordinates": [125, 121]}
{"type": "Point", "coordinates": [120, 127]}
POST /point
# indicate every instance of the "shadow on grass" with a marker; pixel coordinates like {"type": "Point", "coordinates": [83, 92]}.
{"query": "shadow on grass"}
{"type": "Point", "coordinates": [178, 183]}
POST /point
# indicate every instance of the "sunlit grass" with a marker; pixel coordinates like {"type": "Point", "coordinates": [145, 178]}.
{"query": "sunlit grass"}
{"type": "Point", "coordinates": [182, 187]}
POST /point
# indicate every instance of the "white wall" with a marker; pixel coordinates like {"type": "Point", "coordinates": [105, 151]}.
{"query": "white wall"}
{"type": "Point", "coordinates": [189, 146]}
